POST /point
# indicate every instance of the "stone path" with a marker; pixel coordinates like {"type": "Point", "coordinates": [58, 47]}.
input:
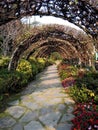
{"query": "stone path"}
{"type": "Point", "coordinates": [43, 105]}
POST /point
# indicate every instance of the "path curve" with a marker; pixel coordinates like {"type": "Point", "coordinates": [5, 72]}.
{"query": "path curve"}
{"type": "Point", "coordinates": [43, 105]}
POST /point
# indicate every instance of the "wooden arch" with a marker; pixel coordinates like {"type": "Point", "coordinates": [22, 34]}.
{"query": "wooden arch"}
{"type": "Point", "coordinates": [83, 13]}
{"type": "Point", "coordinates": [55, 43]}
{"type": "Point", "coordinates": [47, 50]}
{"type": "Point", "coordinates": [69, 50]}
{"type": "Point", "coordinates": [54, 32]}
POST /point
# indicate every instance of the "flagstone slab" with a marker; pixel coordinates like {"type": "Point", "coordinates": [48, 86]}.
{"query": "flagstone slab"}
{"type": "Point", "coordinates": [70, 109]}
{"type": "Point", "coordinates": [44, 111]}
{"type": "Point", "coordinates": [61, 107]}
{"type": "Point", "coordinates": [6, 129]}
{"type": "Point", "coordinates": [26, 98]}
{"type": "Point", "coordinates": [16, 111]}
{"type": "Point", "coordinates": [50, 119]}
{"type": "Point", "coordinates": [67, 117]}
{"type": "Point", "coordinates": [18, 127]}
{"type": "Point", "coordinates": [69, 101]}
{"type": "Point", "coordinates": [31, 105]}
{"type": "Point", "coordinates": [33, 125]}
{"type": "Point", "coordinates": [29, 116]}
{"type": "Point", "coordinates": [55, 101]}
{"type": "Point", "coordinates": [50, 128]}
{"type": "Point", "coordinates": [6, 122]}
{"type": "Point", "coordinates": [13, 103]}
{"type": "Point", "coordinates": [64, 127]}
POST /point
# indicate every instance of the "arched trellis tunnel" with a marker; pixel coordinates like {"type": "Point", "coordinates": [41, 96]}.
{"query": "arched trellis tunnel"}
{"type": "Point", "coordinates": [55, 37]}
{"type": "Point", "coordinates": [83, 13]}
{"type": "Point", "coordinates": [52, 42]}
{"type": "Point", "coordinates": [69, 49]}
{"type": "Point", "coordinates": [48, 49]}
{"type": "Point", "coordinates": [65, 48]}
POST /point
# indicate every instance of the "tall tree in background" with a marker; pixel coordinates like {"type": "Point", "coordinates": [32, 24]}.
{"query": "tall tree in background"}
{"type": "Point", "coordinates": [8, 33]}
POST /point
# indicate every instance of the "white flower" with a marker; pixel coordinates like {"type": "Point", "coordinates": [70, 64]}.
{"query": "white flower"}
{"type": "Point", "coordinates": [90, 128]}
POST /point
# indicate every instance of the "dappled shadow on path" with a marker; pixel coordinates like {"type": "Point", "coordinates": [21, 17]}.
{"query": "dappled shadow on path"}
{"type": "Point", "coordinates": [47, 79]}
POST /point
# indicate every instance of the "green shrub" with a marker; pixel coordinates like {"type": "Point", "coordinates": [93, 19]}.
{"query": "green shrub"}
{"type": "Point", "coordinates": [32, 60]}
{"type": "Point", "coordinates": [4, 80]}
{"type": "Point", "coordinates": [81, 95]}
{"type": "Point", "coordinates": [25, 68]}
{"type": "Point", "coordinates": [55, 56]}
{"type": "Point", "coordinates": [4, 61]}
{"type": "Point", "coordinates": [67, 71]}
{"type": "Point", "coordinates": [37, 64]}
{"type": "Point", "coordinates": [74, 70]}
{"type": "Point", "coordinates": [34, 65]}
{"type": "Point", "coordinates": [90, 80]}
{"type": "Point", "coordinates": [63, 74]}
{"type": "Point", "coordinates": [12, 81]}
{"type": "Point", "coordinates": [96, 99]}
{"type": "Point", "coordinates": [41, 64]}
{"type": "Point", "coordinates": [50, 62]}
{"type": "Point", "coordinates": [34, 69]}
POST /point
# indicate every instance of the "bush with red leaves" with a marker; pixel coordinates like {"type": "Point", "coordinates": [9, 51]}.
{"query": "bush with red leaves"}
{"type": "Point", "coordinates": [68, 82]}
{"type": "Point", "coordinates": [86, 117]}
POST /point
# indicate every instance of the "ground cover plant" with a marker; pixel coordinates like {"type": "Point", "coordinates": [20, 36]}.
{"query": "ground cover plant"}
{"type": "Point", "coordinates": [83, 88]}
{"type": "Point", "coordinates": [86, 117]}
{"type": "Point", "coordinates": [66, 71]}
{"type": "Point", "coordinates": [85, 94]}
{"type": "Point", "coordinates": [4, 62]}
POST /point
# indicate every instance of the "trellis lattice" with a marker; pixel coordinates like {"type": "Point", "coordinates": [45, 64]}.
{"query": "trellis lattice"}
{"type": "Point", "coordinates": [83, 13]}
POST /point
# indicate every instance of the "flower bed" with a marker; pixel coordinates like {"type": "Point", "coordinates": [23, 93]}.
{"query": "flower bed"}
{"type": "Point", "coordinates": [67, 71]}
{"type": "Point", "coordinates": [84, 91]}
{"type": "Point", "coordinates": [86, 117]}
{"type": "Point", "coordinates": [68, 82]}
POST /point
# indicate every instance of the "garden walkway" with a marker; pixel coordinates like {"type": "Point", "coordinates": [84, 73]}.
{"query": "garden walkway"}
{"type": "Point", "coordinates": [43, 105]}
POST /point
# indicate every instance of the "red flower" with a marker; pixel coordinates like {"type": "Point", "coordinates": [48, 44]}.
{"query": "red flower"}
{"type": "Point", "coordinates": [96, 122]}
{"type": "Point", "coordinates": [68, 82]}
{"type": "Point", "coordinates": [86, 117]}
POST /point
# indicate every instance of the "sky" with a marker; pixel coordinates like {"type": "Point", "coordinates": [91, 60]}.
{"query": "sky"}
{"type": "Point", "coordinates": [49, 20]}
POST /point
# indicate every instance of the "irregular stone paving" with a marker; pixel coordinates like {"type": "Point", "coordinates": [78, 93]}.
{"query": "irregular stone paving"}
{"type": "Point", "coordinates": [43, 105]}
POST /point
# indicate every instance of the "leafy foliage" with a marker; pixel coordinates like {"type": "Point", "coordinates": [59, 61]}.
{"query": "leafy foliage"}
{"type": "Point", "coordinates": [41, 64]}
{"type": "Point", "coordinates": [85, 93]}
{"type": "Point", "coordinates": [4, 62]}
{"type": "Point", "coordinates": [55, 56]}
{"type": "Point", "coordinates": [25, 68]}
{"type": "Point", "coordinates": [49, 62]}
{"type": "Point", "coordinates": [66, 71]}
{"type": "Point", "coordinates": [90, 80]}
{"type": "Point", "coordinates": [34, 65]}
{"type": "Point", "coordinates": [10, 81]}
{"type": "Point", "coordinates": [81, 95]}
{"type": "Point", "coordinates": [68, 82]}
{"type": "Point", "coordinates": [86, 117]}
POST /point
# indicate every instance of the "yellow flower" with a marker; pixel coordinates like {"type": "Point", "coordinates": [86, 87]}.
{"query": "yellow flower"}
{"type": "Point", "coordinates": [92, 94]}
